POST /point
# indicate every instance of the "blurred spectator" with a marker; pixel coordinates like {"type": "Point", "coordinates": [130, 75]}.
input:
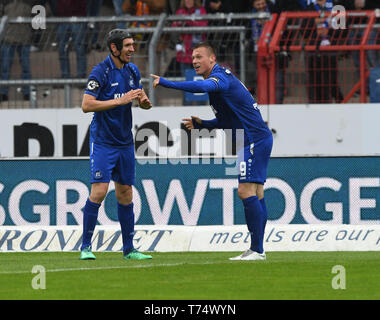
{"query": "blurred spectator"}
{"type": "Point", "coordinates": [224, 43]}
{"type": "Point", "coordinates": [171, 6]}
{"type": "Point", "coordinates": [16, 37]}
{"type": "Point", "coordinates": [155, 6]}
{"type": "Point", "coordinates": [218, 6]}
{"type": "Point", "coordinates": [118, 6]}
{"type": "Point", "coordinates": [322, 66]}
{"type": "Point", "coordinates": [283, 56]}
{"type": "Point", "coordinates": [281, 59]}
{"type": "Point", "coordinates": [218, 40]}
{"type": "Point", "coordinates": [141, 8]}
{"type": "Point", "coordinates": [188, 40]}
{"type": "Point", "coordinates": [93, 10]}
{"type": "Point", "coordinates": [258, 24]}
{"type": "Point", "coordinates": [356, 36]}
{"type": "Point", "coordinates": [37, 34]}
{"type": "Point", "coordinates": [72, 31]}
{"type": "Point", "coordinates": [239, 6]}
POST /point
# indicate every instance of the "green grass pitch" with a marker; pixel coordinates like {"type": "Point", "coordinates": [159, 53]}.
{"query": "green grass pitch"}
{"type": "Point", "coordinates": [192, 275]}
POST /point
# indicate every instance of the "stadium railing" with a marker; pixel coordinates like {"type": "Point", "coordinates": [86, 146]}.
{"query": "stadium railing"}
{"type": "Point", "coordinates": [295, 67]}
{"type": "Point", "coordinates": [155, 53]}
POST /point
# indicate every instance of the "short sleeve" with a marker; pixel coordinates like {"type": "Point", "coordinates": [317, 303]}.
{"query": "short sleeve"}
{"type": "Point", "coordinates": [95, 82]}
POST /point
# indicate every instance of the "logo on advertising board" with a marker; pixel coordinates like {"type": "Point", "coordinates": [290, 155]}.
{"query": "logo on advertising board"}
{"type": "Point", "coordinates": [54, 192]}
{"type": "Point", "coordinates": [196, 238]}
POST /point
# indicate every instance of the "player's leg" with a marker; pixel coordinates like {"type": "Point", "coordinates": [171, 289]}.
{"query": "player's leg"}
{"type": "Point", "coordinates": [260, 195]}
{"type": "Point", "coordinates": [125, 215]}
{"type": "Point", "coordinates": [90, 217]}
{"type": "Point", "coordinates": [253, 162]}
{"type": "Point", "coordinates": [102, 161]}
{"type": "Point", "coordinates": [254, 215]}
{"type": "Point", "coordinates": [124, 177]}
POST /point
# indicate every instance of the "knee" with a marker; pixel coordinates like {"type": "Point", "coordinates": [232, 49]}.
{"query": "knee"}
{"type": "Point", "coordinates": [97, 196]}
{"type": "Point", "coordinates": [98, 193]}
{"type": "Point", "coordinates": [244, 192]}
{"type": "Point", "coordinates": [125, 195]}
{"type": "Point", "coordinates": [241, 193]}
{"type": "Point", "coordinates": [260, 193]}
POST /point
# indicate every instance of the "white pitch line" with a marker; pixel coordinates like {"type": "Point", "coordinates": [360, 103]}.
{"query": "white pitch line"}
{"type": "Point", "coordinates": [111, 267]}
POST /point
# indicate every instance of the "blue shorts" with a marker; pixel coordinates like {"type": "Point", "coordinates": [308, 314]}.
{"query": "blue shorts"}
{"type": "Point", "coordinates": [112, 163]}
{"type": "Point", "coordinates": [253, 161]}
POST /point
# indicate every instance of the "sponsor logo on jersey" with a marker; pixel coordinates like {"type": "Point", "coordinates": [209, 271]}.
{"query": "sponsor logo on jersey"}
{"type": "Point", "coordinates": [118, 95]}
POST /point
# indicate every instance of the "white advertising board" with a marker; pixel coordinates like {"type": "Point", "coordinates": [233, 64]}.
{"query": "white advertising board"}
{"type": "Point", "coordinates": [300, 130]}
{"type": "Point", "coordinates": [193, 238]}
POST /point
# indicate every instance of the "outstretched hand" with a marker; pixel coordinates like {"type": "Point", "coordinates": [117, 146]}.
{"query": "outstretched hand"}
{"type": "Point", "coordinates": [156, 80]}
{"type": "Point", "coordinates": [189, 122]}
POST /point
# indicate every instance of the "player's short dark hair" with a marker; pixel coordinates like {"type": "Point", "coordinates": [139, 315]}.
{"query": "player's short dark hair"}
{"type": "Point", "coordinates": [205, 45]}
{"type": "Point", "coordinates": [117, 36]}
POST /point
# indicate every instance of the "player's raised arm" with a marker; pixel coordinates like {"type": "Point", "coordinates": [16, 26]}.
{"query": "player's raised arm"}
{"type": "Point", "coordinates": [204, 62]}
{"type": "Point", "coordinates": [208, 85]}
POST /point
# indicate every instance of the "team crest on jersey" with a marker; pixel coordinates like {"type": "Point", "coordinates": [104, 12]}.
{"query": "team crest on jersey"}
{"type": "Point", "coordinates": [92, 85]}
{"type": "Point", "coordinates": [98, 174]}
{"type": "Point", "coordinates": [215, 79]}
{"type": "Point", "coordinates": [131, 82]}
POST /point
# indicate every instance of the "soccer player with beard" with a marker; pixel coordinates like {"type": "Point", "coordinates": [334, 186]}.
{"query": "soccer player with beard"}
{"type": "Point", "coordinates": [112, 86]}
{"type": "Point", "coordinates": [235, 109]}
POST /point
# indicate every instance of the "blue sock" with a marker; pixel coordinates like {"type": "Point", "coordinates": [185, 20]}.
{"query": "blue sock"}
{"type": "Point", "coordinates": [127, 223]}
{"type": "Point", "coordinates": [90, 216]}
{"type": "Point", "coordinates": [265, 216]}
{"type": "Point", "coordinates": [254, 216]}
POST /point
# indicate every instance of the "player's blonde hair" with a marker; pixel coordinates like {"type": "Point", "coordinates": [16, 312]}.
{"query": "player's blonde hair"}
{"type": "Point", "coordinates": [206, 45]}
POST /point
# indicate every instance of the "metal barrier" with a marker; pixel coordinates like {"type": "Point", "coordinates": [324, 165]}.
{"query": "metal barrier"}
{"type": "Point", "coordinates": [300, 64]}
{"type": "Point", "coordinates": [50, 87]}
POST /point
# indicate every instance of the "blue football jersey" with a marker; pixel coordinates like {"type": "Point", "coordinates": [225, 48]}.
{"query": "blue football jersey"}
{"type": "Point", "coordinates": [232, 103]}
{"type": "Point", "coordinates": [234, 106]}
{"type": "Point", "coordinates": [106, 82]}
